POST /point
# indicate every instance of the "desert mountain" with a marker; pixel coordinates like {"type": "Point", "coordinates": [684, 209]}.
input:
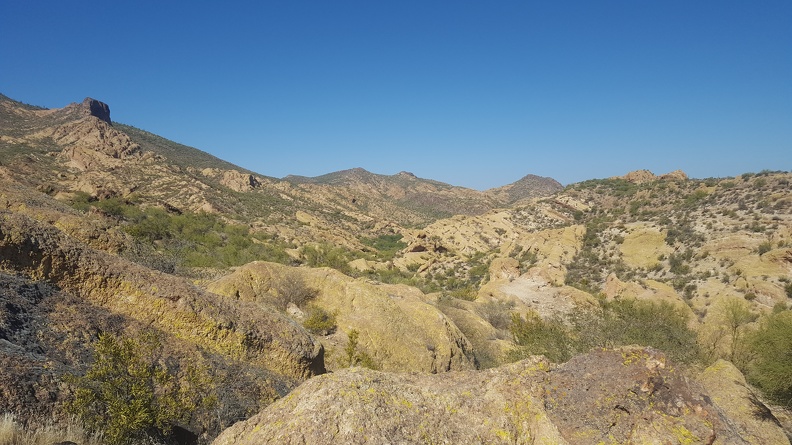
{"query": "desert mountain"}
{"type": "Point", "coordinates": [252, 287]}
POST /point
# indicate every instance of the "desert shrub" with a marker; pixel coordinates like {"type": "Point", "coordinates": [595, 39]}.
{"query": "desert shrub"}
{"type": "Point", "coordinates": [677, 264]}
{"type": "Point", "coordinates": [80, 201]}
{"type": "Point", "coordinates": [771, 369]}
{"type": "Point", "coordinates": [659, 325]}
{"type": "Point", "coordinates": [318, 321]}
{"type": "Point", "coordinates": [694, 198]}
{"type": "Point", "coordinates": [478, 273]}
{"type": "Point", "coordinates": [467, 292]}
{"type": "Point", "coordinates": [291, 288]}
{"type": "Point", "coordinates": [535, 336]}
{"type": "Point", "coordinates": [325, 255]}
{"type": "Point", "coordinates": [764, 248]}
{"type": "Point", "coordinates": [354, 356]}
{"type": "Point", "coordinates": [129, 394]}
{"type": "Point", "coordinates": [497, 313]}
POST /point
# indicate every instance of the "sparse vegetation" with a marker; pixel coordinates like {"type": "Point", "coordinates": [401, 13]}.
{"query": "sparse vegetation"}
{"type": "Point", "coordinates": [318, 321]}
{"type": "Point", "coordinates": [14, 432]}
{"type": "Point", "coordinates": [167, 240]}
{"type": "Point", "coordinates": [130, 394]}
{"type": "Point", "coordinates": [291, 288]}
{"type": "Point", "coordinates": [354, 355]}
{"type": "Point", "coordinates": [615, 323]}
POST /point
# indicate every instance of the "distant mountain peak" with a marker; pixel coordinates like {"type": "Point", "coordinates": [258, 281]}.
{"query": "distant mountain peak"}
{"type": "Point", "coordinates": [91, 107]}
{"type": "Point", "coordinates": [527, 187]}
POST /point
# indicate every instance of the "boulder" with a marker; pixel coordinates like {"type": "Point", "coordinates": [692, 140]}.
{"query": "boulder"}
{"type": "Point", "coordinates": [728, 390]}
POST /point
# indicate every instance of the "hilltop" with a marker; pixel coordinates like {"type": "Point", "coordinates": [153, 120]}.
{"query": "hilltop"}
{"type": "Point", "coordinates": [255, 286]}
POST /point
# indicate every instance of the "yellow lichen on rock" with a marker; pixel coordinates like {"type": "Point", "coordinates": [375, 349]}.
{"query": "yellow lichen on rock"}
{"type": "Point", "coordinates": [643, 245]}
{"type": "Point", "coordinates": [397, 328]}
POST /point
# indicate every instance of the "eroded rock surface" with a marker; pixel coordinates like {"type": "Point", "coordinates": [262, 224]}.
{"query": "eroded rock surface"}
{"type": "Point", "coordinates": [397, 327]}
{"type": "Point", "coordinates": [626, 396]}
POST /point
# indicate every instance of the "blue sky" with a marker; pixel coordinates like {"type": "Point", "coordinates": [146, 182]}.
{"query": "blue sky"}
{"type": "Point", "coordinates": [476, 94]}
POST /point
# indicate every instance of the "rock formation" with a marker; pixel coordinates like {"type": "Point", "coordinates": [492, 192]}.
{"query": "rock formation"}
{"type": "Point", "coordinates": [628, 395]}
{"type": "Point", "coordinates": [97, 109]}
{"type": "Point", "coordinates": [399, 330]}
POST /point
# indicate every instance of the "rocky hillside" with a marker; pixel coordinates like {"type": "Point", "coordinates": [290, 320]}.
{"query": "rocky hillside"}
{"type": "Point", "coordinates": [226, 290]}
{"type": "Point", "coordinates": [59, 296]}
{"type": "Point", "coordinates": [77, 149]}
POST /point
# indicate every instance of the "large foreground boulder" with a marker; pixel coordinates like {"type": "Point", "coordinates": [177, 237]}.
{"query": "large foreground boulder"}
{"type": "Point", "coordinates": [626, 396]}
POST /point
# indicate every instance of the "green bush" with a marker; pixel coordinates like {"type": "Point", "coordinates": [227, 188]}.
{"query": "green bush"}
{"type": "Point", "coordinates": [325, 255]}
{"type": "Point", "coordinates": [615, 323]}
{"type": "Point", "coordinates": [535, 336]}
{"type": "Point", "coordinates": [659, 325]}
{"type": "Point", "coordinates": [386, 245]}
{"type": "Point", "coordinates": [771, 370]}
{"type": "Point", "coordinates": [129, 394]}
{"type": "Point", "coordinates": [764, 248]}
{"type": "Point", "coordinates": [318, 321]}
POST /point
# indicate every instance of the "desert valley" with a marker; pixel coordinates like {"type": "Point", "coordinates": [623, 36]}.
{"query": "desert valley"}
{"type": "Point", "coordinates": [153, 293]}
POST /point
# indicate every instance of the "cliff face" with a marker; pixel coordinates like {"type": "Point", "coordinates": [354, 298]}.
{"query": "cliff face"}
{"type": "Point", "coordinates": [629, 395]}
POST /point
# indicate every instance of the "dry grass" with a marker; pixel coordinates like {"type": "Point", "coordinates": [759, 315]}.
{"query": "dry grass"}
{"type": "Point", "coordinates": [13, 432]}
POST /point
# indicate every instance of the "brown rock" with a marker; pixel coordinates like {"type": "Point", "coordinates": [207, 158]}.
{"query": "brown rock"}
{"type": "Point", "coordinates": [676, 175]}
{"type": "Point", "coordinates": [639, 176]}
{"type": "Point", "coordinates": [97, 109]}
{"type": "Point", "coordinates": [398, 329]}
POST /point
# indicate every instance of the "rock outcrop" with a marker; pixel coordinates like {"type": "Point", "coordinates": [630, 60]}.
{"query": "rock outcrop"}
{"type": "Point", "coordinates": [97, 109]}
{"type": "Point", "coordinates": [398, 329]}
{"type": "Point", "coordinates": [630, 395]}
{"type": "Point", "coordinates": [643, 176]}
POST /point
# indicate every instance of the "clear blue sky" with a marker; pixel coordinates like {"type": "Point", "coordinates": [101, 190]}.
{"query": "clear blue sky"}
{"type": "Point", "coordinates": [473, 93]}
